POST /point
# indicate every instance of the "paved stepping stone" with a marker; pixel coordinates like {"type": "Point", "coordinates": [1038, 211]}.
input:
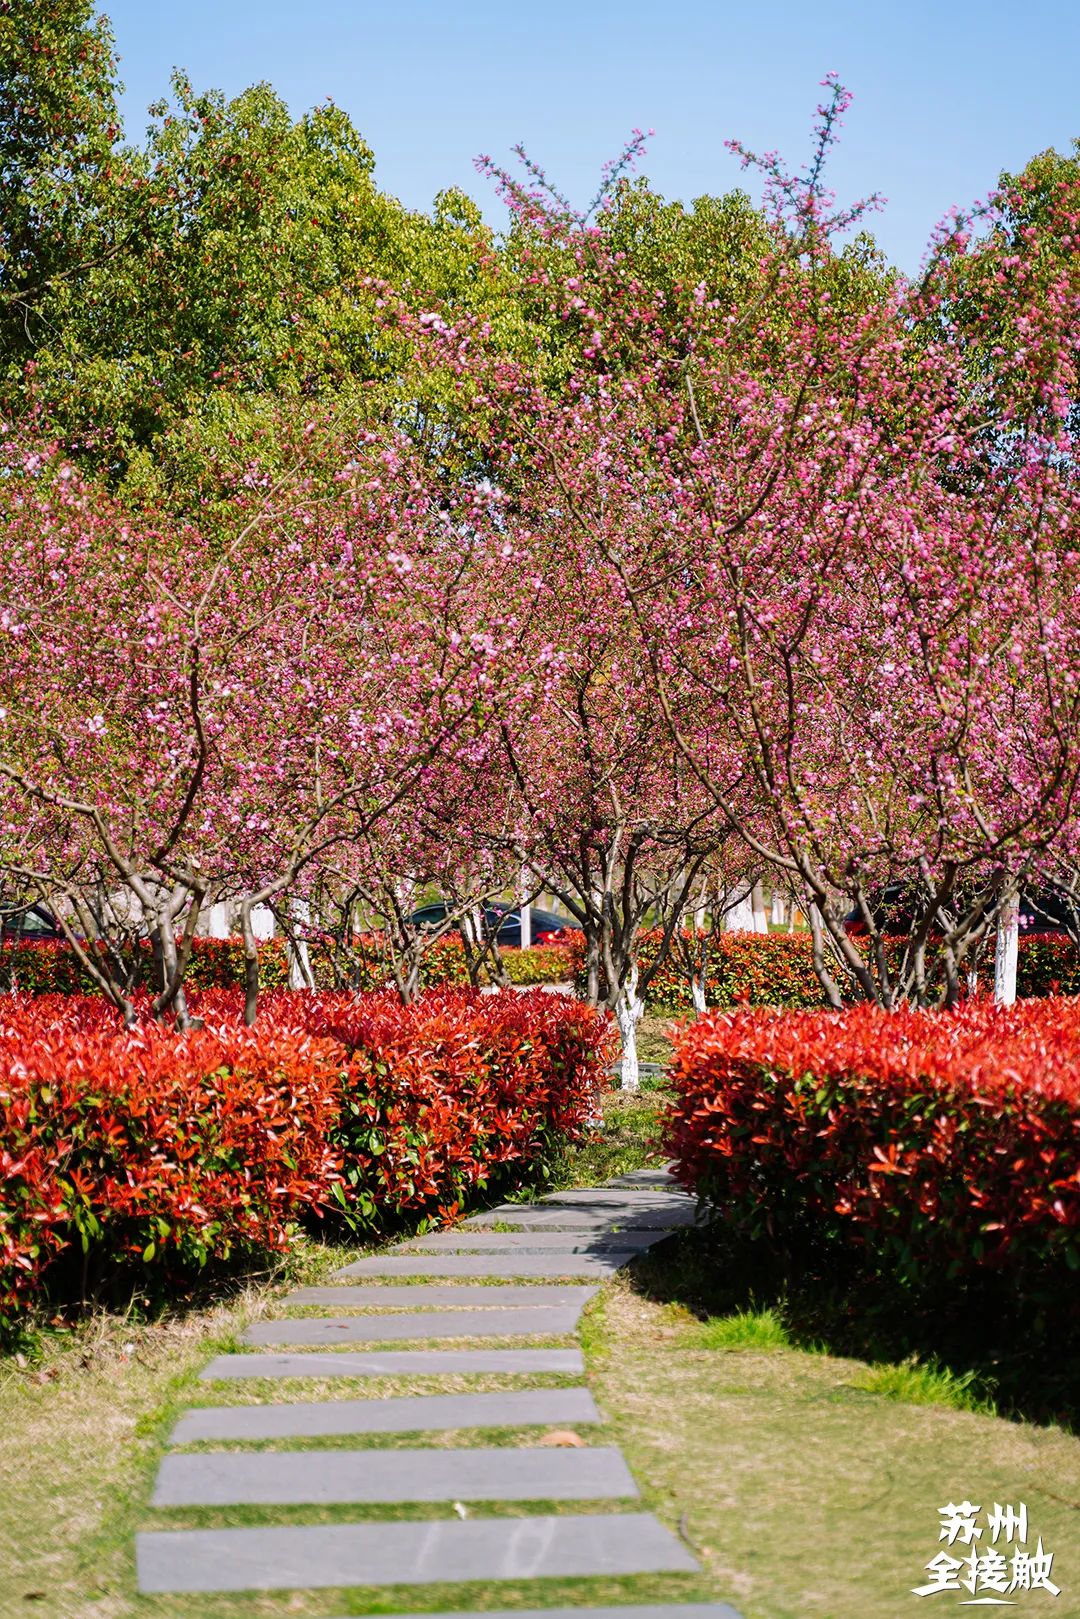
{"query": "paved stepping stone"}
{"type": "Point", "coordinates": [530, 1242]}
{"type": "Point", "coordinates": [666, 1213]}
{"type": "Point", "coordinates": [396, 1363]}
{"type": "Point", "coordinates": [420, 1413]}
{"type": "Point", "coordinates": [433, 1296]}
{"type": "Point", "coordinates": [654, 1180]}
{"type": "Point", "coordinates": [316, 1477]}
{"type": "Point", "coordinates": [667, 1610]}
{"type": "Point", "coordinates": [322, 1555]}
{"type": "Point", "coordinates": [619, 1197]}
{"type": "Point", "coordinates": [508, 1265]}
{"type": "Point", "coordinates": [548, 1321]}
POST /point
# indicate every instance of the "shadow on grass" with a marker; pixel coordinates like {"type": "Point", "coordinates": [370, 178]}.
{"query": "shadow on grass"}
{"type": "Point", "coordinates": [990, 1349]}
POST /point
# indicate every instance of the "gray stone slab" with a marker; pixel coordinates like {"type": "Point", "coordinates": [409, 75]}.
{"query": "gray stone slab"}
{"type": "Point", "coordinates": [528, 1242]}
{"type": "Point", "coordinates": [317, 1477]}
{"type": "Point", "coordinates": [396, 1363]}
{"type": "Point", "coordinates": [666, 1610]}
{"type": "Point", "coordinates": [664, 1214]}
{"type": "Point", "coordinates": [625, 1198]}
{"type": "Point", "coordinates": [547, 1321]}
{"type": "Point", "coordinates": [419, 1413]}
{"type": "Point", "coordinates": [433, 1295]}
{"type": "Point", "coordinates": [596, 1224]}
{"type": "Point", "coordinates": [508, 1266]}
{"type": "Point", "coordinates": [660, 1180]}
{"type": "Point", "coordinates": [322, 1555]}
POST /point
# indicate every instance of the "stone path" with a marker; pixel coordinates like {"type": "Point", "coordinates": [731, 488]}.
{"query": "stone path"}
{"type": "Point", "coordinates": [528, 1291]}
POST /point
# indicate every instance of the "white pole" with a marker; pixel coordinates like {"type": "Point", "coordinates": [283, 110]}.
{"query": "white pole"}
{"type": "Point", "coordinates": [1006, 950]}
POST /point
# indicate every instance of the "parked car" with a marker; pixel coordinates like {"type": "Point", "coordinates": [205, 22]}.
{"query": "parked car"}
{"type": "Point", "coordinates": [1041, 911]}
{"type": "Point", "coordinates": [29, 922]}
{"type": "Point", "coordinates": [545, 926]}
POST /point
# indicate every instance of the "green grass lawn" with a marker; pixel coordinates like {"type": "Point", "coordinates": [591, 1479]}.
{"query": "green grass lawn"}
{"type": "Point", "coordinates": [807, 1483]}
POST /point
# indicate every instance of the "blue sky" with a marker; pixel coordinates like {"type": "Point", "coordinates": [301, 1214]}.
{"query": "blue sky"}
{"type": "Point", "coordinates": [946, 94]}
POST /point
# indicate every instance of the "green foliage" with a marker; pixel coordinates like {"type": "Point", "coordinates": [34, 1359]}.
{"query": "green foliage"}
{"type": "Point", "coordinates": [164, 297]}
{"type": "Point", "coordinates": [624, 1139]}
{"type": "Point", "coordinates": [743, 1329]}
{"type": "Point", "coordinates": [58, 125]}
{"type": "Point", "coordinates": [914, 1382]}
{"type": "Point", "coordinates": [162, 304]}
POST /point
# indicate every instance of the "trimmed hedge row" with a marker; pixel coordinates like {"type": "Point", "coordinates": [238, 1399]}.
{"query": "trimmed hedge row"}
{"type": "Point", "coordinates": [777, 969]}
{"type": "Point", "coordinates": [746, 969]}
{"type": "Point", "coordinates": [443, 962]}
{"type": "Point", "coordinates": [121, 1150]}
{"type": "Point", "coordinates": [45, 968]}
{"type": "Point", "coordinates": [939, 1145]}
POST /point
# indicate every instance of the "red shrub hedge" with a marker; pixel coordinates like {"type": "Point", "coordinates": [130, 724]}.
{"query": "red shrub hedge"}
{"type": "Point", "coordinates": [457, 1092]}
{"type": "Point", "coordinates": [777, 969]}
{"type": "Point", "coordinates": [44, 968]}
{"type": "Point", "coordinates": [942, 1144]}
{"type": "Point", "coordinates": [443, 963]}
{"type": "Point", "coordinates": [143, 1147]}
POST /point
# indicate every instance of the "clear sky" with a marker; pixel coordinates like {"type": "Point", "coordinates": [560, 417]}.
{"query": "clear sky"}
{"type": "Point", "coordinates": [947, 94]}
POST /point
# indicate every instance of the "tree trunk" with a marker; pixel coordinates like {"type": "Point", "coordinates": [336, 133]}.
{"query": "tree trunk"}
{"type": "Point", "coordinates": [628, 1011]}
{"type": "Point", "coordinates": [1006, 951]}
{"type": "Point", "coordinates": [697, 992]}
{"type": "Point", "coordinates": [739, 914]}
{"type": "Point", "coordinates": [525, 910]}
{"type": "Point", "coordinates": [300, 974]}
{"type": "Point", "coordinates": [824, 976]}
{"type": "Point", "coordinates": [592, 970]}
{"type": "Point", "coordinates": [251, 966]}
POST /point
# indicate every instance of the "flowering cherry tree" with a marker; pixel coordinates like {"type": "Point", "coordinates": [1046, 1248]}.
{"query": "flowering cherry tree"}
{"type": "Point", "coordinates": [847, 545]}
{"type": "Point", "coordinates": [193, 714]}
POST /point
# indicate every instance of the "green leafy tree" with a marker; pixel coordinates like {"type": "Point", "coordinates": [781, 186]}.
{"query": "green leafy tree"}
{"type": "Point", "coordinates": [59, 163]}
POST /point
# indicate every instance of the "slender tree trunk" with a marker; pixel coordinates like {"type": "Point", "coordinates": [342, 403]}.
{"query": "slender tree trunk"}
{"type": "Point", "coordinates": [1006, 952]}
{"type": "Point", "coordinates": [251, 966]}
{"type": "Point", "coordinates": [524, 909]}
{"type": "Point", "coordinates": [628, 1009]}
{"type": "Point", "coordinates": [824, 977]}
{"type": "Point", "coordinates": [300, 974]}
{"type": "Point", "coordinates": [592, 969]}
{"type": "Point", "coordinates": [697, 992]}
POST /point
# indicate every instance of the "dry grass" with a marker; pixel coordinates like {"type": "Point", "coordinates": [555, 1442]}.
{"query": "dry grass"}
{"type": "Point", "coordinates": [807, 1496]}
{"type": "Point", "coordinates": [77, 1438]}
